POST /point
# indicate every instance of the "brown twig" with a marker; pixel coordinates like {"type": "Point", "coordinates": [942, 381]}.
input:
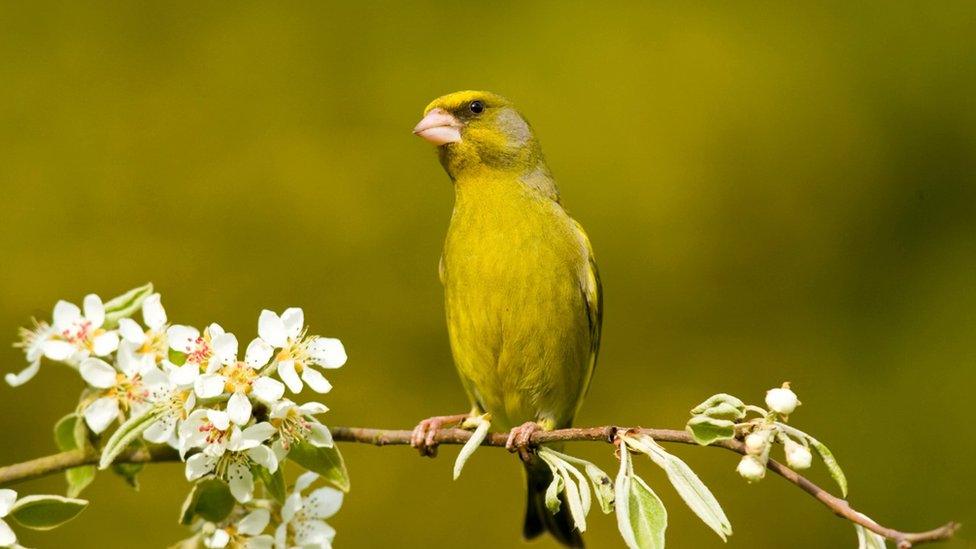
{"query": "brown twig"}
{"type": "Point", "coordinates": [382, 437]}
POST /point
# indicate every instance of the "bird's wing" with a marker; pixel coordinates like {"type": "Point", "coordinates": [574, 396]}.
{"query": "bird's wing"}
{"type": "Point", "coordinates": [593, 299]}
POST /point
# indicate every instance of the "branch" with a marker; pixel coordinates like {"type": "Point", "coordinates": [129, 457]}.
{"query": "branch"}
{"type": "Point", "coordinates": [382, 437]}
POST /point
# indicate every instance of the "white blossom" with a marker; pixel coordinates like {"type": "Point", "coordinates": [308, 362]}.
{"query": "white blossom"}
{"type": "Point", "coordinates": [298, 351]}
{"type": "Point", "coordinates": [296, 423]}
{"type": "Point", "coordinates": [32, 342]}
{"type": "Point", "coordinates": [782, 400]}
{"type": "Point", "coordinates": [226, 449]}
{"type": "Point", "coordinates": [122, 389]}
{"type": "Point", "coordinates": [77, 336]}
{"type": "Point", "coordinates": [241, 379]}
{"type": "Point", "coordinates": [246, 532]}
{"type": "Point", "coordinates": [302, 518]}
{"type": "Point", "coordinates": [756, 442]}
{"type": "Point", "coordinates": [798, 456]}
{"type": "Point", "coordinates": [7, 499]}
{"type": "Point", "coordinates": [148, 345]}
{"type": "Point", "coordinates": [751, 468]}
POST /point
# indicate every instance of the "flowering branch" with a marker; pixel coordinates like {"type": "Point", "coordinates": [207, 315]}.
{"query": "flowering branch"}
{"type": "Point", "coordinates": [386, 437]}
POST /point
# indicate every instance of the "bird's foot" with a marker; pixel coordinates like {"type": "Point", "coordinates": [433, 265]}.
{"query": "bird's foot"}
{"type": "Point", "coordinates": [425, 431]}
{"type": "Point", "coordinates": [520, 439]}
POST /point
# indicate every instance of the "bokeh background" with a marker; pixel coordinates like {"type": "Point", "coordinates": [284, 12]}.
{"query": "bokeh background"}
{"type": "Point", "coordinates": [774, 193]}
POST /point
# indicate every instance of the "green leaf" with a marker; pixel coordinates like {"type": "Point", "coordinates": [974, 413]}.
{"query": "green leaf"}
{"type": "Point", "coordinates": [828, 458]}
{"type": "Point", "coordinates": [867, 539]}
{"type": "Point", "coordinates": [721, 406]}
{"type": "Point", "coordinates": [209, 499]}
{"type": "Point", "coordinates": [706, 430]}
{"type": "Point", "coordinates": [553, 503]}
{"type": "Point", "coordinates": [327, 462]}
{"type": "Point", "coordinates": [477, 437]}
{"type": "Point", "coordinates": [602, 484]}
{"type": "Point", "coordinates": [125, 305]}
{"type": "Point", "coordinates": [691, 489]}
{"type": "Point", "coordinates": [274, 483]}
{"type": "Point", "coordinates": [641, 517]}
{"type": "Point", "coordinates": [125, 434]}
{"type": "Point", "coordinates": [176, 357]}
{"type": "Point", "coordinates": [45, 512]}
{"type": "Point", "coordinates": [129, 472]}
{"type": "Point", "coordinates": [65, 437]}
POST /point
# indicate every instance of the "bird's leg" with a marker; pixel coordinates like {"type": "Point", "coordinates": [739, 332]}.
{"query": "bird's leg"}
{"type": "Point", "coordinates": [519, 439]}
{"type": "Point", "coordinates": [424, 432]}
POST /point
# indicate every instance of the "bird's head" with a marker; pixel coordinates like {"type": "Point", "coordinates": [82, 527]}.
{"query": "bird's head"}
{"type": "Point", "coordinates": [479, 130]}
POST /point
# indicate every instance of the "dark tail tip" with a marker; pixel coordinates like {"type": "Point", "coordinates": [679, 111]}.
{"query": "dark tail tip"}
{"type": "Point", "coordinates": [538, 519]}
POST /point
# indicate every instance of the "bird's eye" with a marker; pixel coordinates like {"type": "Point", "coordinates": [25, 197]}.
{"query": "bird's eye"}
{"type": "Point", "coordinates": [477, 107]}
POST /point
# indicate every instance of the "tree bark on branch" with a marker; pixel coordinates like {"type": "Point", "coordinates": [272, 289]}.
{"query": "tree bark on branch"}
{"type": "Point", "coordinates": [54, 463]}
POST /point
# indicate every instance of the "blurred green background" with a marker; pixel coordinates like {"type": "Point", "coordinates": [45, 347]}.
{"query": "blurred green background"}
{"type": "Point", "coordinates": [774, 193]}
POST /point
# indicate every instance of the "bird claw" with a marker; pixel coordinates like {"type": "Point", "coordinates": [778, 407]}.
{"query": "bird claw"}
{"type": "Point", "coordinates": [520, 439]}
{"type": "Point", "coordinates": [423, 438]}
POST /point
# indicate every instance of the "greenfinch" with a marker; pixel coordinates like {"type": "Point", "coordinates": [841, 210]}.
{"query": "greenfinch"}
{"type": "Point", "coordinates": [522, 292]}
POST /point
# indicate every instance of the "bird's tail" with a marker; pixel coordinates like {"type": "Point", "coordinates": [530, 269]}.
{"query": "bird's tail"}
{"type": "Point", "coordinates": [538, 519]}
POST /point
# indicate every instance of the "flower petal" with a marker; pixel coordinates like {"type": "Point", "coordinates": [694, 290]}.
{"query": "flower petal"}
{"type": "Point", "coordinates": [101, 413]}
{"type": "Point", "coordinates": [272, 329]}
{"type": "Point", "coordinates": [313, 408]}
{"type": "Point", "coordinates": [286, 369]}
{"type": "Point", "coordinates": [323, 503]}
{"type": "Point", "coordinates": [263, 456]}
{"type": "Point", "coordinates": [199, 465]}
{"type": "Point", "coordinates": [254, 522]}
{"type": "Point", "coordinates": [316, 380]}
{"type": "Point", "coordinates": [293, 504]}
{"type": "Point", "coordinates": [260, 542]}
{"type": "Point", "coordinates": [7, 536]}
{"type": "Point", "coordinates": [97, 373]}
{"type": "Point", "coordinates": [23, 376]}
{"type": "Point", "coordinates": [328, 352]}
{"type": "Point", "coordinates": [225, 348]}
{"type": "Point", "coordinates": [305, 480]}
{"type": "Point", "coordinates": [58, 350]}
{"type": "Point", "coordinates": [7, 499]}
{"type": "Point", "coordinates": [241, 482]}
{"type": "Point", "coordinates": [185, 374]}
{"type": "Point", "coordinates": [267, 390]}
{"type": "Point", "coordinates": [218, 540]}
{"type": "Point", "coordinates": [131, 331]}
{"type": "Point", "coordinates": [209, 385]}
{"type": "Point", "coordinates": [315, 533]}
{"type": "Point", "coordinates": [105, 343]}
{"type": "Point", "coordinates": [160, 431]}
{"type": "Point", "coordinates": [294, 319]}
{"type": "Point", "coordinates": [182, 338]}
{"type": "Point", "coordinates": [94, 310]}
{"type": "Point", "coordinates": [239, 408]}
{"type": "Point", "coordinates": [65, 314]}
{"type": "Point", "coordinates": [258, 353]}
{"type": "Point", "coordinates": [320, 436]}
{"type": "Point", "coordinates": [259, 432]}
{"type": "Point", "coordinates": [153, 314]}
{"type": "Point", "coordinates": [219, 419]}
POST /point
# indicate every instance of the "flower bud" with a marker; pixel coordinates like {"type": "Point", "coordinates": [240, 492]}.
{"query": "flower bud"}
{"type": "Point", "coordinates": [798, 456]}
{"type": "Point", "coordinates": [782, 401]}
{"type": "Point", "coordinates": [751, 468]}
{"type": "Point", "coordinates": [756, 442]}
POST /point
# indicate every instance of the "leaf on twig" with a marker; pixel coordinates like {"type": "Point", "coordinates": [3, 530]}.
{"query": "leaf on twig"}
{"type": "Point", "coordinates": [125, 305]}
{"type": "Point", "coordinates": [641, 517]}
{"type": "Point", "coordinates": [65, 432]}
{"type": "Point", "coordinates": [706, 430]}
{"type": "Point", "coordinates": [327, 462]}
{"type": "Point", "coordinates": [691, 489]}
{"type": "Point", "coordinates": [45, 512]}
{"type": "Point", "coordinates": [831, 462]}
{"type": "Point", "coordinates": [210, 499]}
{"type": "Point", "coordinates": [477, 437]}
{"type": "Point", "coordinates": [125, 434]}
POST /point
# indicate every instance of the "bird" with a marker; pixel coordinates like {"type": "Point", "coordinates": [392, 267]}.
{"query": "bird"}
{"type": "Point", "coordinates": [523, 297]}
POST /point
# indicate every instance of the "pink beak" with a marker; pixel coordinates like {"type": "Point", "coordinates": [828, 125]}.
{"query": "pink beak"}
{"type": "Point", "coordinates": [439, 127]}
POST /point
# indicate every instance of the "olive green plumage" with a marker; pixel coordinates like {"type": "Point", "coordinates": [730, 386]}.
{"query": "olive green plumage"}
{"type": "Point", "coordinates": [522, 292]}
